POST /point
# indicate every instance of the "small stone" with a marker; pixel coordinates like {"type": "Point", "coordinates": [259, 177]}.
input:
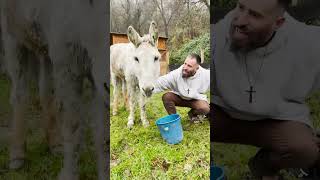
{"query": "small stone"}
{"type": "Point", "coordinates": [187, 168]}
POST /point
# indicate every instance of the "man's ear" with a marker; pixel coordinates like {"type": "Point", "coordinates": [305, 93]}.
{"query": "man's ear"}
{"type": "Point", "coordinates": [279, 22]}
{"type": "Point", "coordinates": [198, 66]}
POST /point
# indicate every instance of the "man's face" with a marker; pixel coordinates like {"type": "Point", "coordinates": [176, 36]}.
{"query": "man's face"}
{"type": "Point", "coordinates": [254, 22]}
{"type": "Point", "coordinates": [190, 67]}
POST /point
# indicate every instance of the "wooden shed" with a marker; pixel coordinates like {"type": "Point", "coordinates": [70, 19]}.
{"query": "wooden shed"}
{"type": "Point", "coordinates": [162, 46]}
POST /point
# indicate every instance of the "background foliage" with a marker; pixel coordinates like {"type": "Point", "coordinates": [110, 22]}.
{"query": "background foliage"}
{"type": "Point", "coordinates": [193, 46]}
{"type": "Point", "coordinates": [180, 21]}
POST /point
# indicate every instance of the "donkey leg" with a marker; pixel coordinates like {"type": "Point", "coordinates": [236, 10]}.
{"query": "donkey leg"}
{"type": "Point", "coordinates": [116, 93]}
{"type": "Point", "coordinates": [68, 86]}
{"type": "Point", "coordinates": [132, 103]}
{"type": "Point", "coordinates": [99, 113]}
{"type": "Point", "coordinates": [99, 125]}
{"type": "Point", "coordinates": [17, 70]}
{"type": "Point", "coordinates": [142, 104]}
{"type": "Point", "coordinates": [125, 94]}
{"type": "Point", "coordinates": [71, 135]}
{"type": "Point", "coordinates": [71, 129]}
{"type": "Point", "coordinates": [48, 106]}
{"type": "Point", "coordinates": [17, 143]}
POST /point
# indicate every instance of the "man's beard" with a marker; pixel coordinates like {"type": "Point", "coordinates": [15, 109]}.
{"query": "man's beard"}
{"type": "Point", "coordinates": [254, 41]}
{"type": "Point", "coordinates": [246, 48]}
{"type": "Point", "coordinates": [237, 44]}
{"type": "Point", "coordinates": [187, 74]}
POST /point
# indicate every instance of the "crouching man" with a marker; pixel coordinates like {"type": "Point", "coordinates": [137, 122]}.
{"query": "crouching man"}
{"type": "Point", "coordinates": [188, 85]}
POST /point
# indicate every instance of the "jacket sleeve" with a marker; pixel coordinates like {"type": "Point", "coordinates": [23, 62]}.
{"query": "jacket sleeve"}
{"type": "Point", "coordinates": [164, 82]}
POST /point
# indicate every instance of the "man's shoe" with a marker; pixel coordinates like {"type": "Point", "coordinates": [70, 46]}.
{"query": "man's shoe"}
{"type": "Point", "coordinates": [305, 174]}
{"type": "Point", "coordinates": [196, 119]}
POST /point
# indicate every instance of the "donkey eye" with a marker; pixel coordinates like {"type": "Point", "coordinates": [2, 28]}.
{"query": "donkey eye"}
{"type": "Point", "coordinates": [136, 59]}
{"type": "Point", "coordinates": [156, 58]}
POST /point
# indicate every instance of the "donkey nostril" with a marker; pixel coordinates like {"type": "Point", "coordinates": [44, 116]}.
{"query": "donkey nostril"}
{"type": "Point", "coordinates": [152, 88]}
{"type": "Point", "coordinates": [145, 90]}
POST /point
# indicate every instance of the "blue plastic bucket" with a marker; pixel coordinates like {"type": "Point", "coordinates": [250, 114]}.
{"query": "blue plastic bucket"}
{"type": "Point", "coordinates": [216, 173]}
{"type": "Point", "coordinates": [170, 128]}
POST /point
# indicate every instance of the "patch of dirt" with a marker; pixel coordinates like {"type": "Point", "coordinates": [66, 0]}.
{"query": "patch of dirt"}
{"type": "Point", "coordinates": [187, 168]}
{"type": "Point", "coordinates": [160, 163]}
{"type": "Point", "coordinates": [114, 161]}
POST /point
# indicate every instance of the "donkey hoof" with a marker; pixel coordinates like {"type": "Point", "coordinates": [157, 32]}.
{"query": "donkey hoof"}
{"type": "Point", "coordinates": [16, 164]}
{"type": "Point", "coordinates": [130, 125]}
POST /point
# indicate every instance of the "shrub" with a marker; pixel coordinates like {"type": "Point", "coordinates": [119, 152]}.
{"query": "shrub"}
{"type": "Point", "coordinates": [177, 57]}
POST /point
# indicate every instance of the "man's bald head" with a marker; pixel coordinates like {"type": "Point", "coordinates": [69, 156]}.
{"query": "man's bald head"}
{"type": "Point", "coordinates": [284, 3]}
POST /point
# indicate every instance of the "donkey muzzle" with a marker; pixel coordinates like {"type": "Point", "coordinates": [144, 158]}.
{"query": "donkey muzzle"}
{"type": "Point", "coordinates": [148, 91]}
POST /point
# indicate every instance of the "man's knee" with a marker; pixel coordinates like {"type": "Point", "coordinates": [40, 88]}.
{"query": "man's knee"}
{"type": "Point", "coordinates": [308, 152]}
{"type": "Point", "coordinates": [167, 97]}
{"type": "Point", "coordinates": [203, 108]}
{"type": "Point", "coordinates": [304, 153]}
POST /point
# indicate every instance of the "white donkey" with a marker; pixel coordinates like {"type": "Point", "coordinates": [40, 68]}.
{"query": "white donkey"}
{"type": "Point", "coordinates": [137, 65]}
{"type": "Point", "coordinates": [67, 41]}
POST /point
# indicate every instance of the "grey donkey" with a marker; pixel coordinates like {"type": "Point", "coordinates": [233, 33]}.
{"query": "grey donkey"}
{"type": "Point", "coordinates": [66, 42]}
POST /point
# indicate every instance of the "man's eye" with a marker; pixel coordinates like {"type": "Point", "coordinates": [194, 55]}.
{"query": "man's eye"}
{"type": "Point", "coordinates": [254, 14]}
{"type": "Point", "coordinates": [241, 7]}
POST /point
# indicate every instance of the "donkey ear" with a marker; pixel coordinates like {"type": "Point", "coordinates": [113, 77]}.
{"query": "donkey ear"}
{"type": "Point", "coordinates": [133, 36]}
{"type": "Point", "coordinates": [153, 32]}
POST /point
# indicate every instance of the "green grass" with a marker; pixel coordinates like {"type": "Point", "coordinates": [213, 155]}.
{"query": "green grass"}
{"type": "Point", "coordinates": [141, 153]}
{"type": "Point", "coordinates": [234, 157]}
{"type": "Point", "coordinates": [40, 163]}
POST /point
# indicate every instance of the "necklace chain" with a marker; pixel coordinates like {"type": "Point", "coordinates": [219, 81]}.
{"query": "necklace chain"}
{"type": "Point", "coordinates": [252, 81]}
{"type": "Point", "coordinates": [188, 85]}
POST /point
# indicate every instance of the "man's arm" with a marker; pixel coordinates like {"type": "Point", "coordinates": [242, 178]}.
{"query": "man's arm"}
{"type": "Point", "coordinates": [164, 82]}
